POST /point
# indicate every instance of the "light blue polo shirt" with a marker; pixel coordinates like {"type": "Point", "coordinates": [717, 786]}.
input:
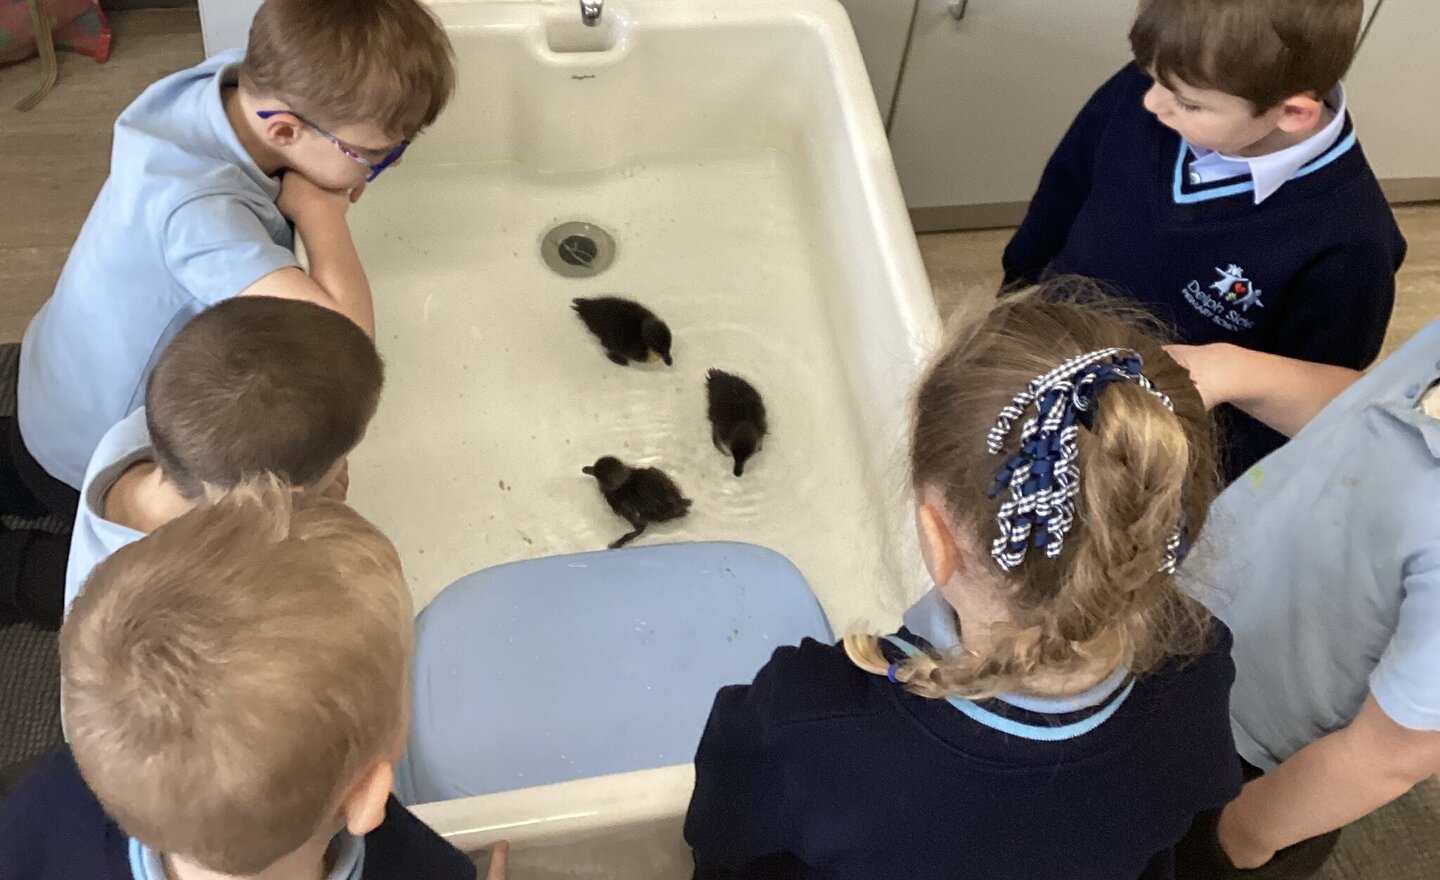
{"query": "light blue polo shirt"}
{"type": "Point", "coordinates": [346, 857]}
{"type": "Point", "coordinates": [1324, 560]}
{"type": "Point", "coordinates": [186, 219]}
{"type": "Point", "coordinates": [96, 537]}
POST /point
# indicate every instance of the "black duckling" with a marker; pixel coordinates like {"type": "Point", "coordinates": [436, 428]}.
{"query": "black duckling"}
{"type": "Point", "coordinates": [627, 330]}
{"type": "Point", "coordinates": [641, 495]}
{"type": "Point", "coordinates": [737, 416]}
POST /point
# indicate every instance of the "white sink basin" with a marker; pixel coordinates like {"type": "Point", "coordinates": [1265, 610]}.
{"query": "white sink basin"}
{"type": "Point", "coordinates": [623, 827]}
{"type": "Point", "coordinates": [734, 152]}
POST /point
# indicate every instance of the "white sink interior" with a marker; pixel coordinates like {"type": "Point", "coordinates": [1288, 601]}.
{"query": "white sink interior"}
{"type": "Point", "coordinates": [734, 153]}
{"type": "Point", "coordinates": [623, 827]}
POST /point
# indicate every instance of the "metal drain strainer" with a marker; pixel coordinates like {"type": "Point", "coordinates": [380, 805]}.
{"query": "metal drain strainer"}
{"type": "Point", "coordinates": [578, 249]}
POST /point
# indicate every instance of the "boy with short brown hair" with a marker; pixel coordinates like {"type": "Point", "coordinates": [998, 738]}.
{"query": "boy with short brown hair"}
{"type": "Point", "coordinates": [236, 690]}
{"type": "Point", "coordinates": [1218, 181]}
{"type": "Point", "coordinates": [251, 386]}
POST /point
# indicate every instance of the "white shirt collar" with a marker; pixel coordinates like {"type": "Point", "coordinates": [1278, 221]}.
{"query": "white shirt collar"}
{"type": "Point", "coordinates": [1271, 171]}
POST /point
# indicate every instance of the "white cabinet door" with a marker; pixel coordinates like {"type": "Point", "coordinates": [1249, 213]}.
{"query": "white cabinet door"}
{"type": "Point", "coordinates": [225, 24]}
{"type": "Point", "coordinates": [1392, 91]}
{"type": "Point", "coordinates": [881, 27]}
{"type": "Point", "coordinates": [1370, 6]}
{"type": "Point", "coordinates": [986, 98]}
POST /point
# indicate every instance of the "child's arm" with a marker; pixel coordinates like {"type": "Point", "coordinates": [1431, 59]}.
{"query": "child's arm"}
{"type": "Point", "coordinates": [336, 279]}
{"type": "Point", "coordinates": [737, 812]}
{"type": "Point", "coordinates": [1282, 392]}
{"type": "Point", "coordinates": [1064, 186]}
{"type": "Point", "coordinates": [1327, 785]}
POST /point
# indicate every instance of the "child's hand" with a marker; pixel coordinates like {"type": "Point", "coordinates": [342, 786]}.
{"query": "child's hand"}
{"type": "Point", "coordinates": [499, 855]}
{"type": "Point", "coordinates": [1210, 368]}
{"type": "Point", "coordinates": [302, 201]}
{"type": "Point", "coordinates": [1243, 852]}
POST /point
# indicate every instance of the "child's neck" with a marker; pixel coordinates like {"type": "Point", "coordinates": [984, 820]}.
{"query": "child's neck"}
{"type": "Point", "coordinates": [310, 862]}
{"type": "Point", "coordinates": [144, 499]}
{"type": "Point", "coordinates": [1279, 139]}
{"type": "Point", "coordinates": [240, 109]}
{"type": "Point", "coordinates": [979, 613]}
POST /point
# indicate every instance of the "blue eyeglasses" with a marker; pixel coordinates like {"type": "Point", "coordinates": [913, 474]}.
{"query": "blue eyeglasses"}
{"type": "Point", "coordinates": [353, 152]}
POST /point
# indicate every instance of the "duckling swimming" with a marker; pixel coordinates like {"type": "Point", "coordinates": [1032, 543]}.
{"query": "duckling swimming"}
{"type": "Point", "coordinates": [627, 330]}
{"type": "Point", "coordinates": [640, 495]}
{"type": "Point", "coordinates": [737, 416]}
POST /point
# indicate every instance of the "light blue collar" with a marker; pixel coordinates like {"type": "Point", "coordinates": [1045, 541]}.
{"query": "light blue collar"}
{"type": "Point", "coordinates": [348, 850]}
{"type": "Point", "coordinates": [1038, 732]}
{"type": "Point", "coordinates": [933, 619]}
{"type": "Point", "coordinates": [228, 74]}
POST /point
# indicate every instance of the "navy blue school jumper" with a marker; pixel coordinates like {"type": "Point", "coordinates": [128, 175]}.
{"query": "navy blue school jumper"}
{"type": "Point", "coordinates": [1308, 273]}
{"type": "Point", "coordinates": [53, 828]}
{"type": "Point", "coordinates": [822, 770]}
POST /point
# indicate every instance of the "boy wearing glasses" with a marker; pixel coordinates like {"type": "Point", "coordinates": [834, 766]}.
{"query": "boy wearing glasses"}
{"type": "Point", "coordinates": [210, 168]}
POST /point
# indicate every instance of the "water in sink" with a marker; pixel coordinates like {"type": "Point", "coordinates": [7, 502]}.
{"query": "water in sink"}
{"type": "Point", "coordinates": [496, 395]}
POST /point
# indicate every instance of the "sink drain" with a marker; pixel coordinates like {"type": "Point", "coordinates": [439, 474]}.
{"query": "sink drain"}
{"type": "Point", "coordinates": [578, 249]}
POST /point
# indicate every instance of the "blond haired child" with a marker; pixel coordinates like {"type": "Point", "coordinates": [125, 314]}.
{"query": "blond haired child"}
{"type": "Point", "coordinates": [1056, 707]}
{"type": "Point", "coordinates": [236, 691]}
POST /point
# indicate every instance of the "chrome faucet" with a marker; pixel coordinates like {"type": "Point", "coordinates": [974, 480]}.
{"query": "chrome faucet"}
{"type": "Point", "coordinates": [590, 11]}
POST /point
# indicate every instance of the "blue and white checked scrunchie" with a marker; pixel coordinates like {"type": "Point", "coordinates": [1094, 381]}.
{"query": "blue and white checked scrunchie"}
{"type": "Point", "coordinates": [1044, 475]}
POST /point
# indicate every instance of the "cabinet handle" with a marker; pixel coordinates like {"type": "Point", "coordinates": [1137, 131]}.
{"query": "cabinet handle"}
{"type": "Point", "coordinates": [958, 8]}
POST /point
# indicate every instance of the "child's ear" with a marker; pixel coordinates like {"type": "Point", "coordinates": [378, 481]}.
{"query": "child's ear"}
{"type": "Point", "coordinates": [1300, 113]}
{"type": "Point", "coordinates": [281, 130]}
{"type": "Point", "coordinates": [362, 809]}
{"type": "Point", "coordinates": [937, 541]}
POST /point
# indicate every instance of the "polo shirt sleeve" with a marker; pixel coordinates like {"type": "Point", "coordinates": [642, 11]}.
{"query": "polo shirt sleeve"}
{"type": "Point", "coordinates": [1406, 683]}
{"type": "Point", "coordinates": [1338, 308]}
{"type": "Point", "coordinates": [216, 246]}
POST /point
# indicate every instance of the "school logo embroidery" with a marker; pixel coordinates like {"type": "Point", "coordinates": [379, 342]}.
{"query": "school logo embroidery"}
{"type": "Point", "coordinates": [1236, 288]}
{"type": "Point", "coordinates": [1234, 295]}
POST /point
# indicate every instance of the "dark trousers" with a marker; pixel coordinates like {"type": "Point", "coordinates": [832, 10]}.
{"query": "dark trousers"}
{"type": "Point", "coordinates": [32, 560]}
{"type": "Point", "coordinates": [1199, 856]}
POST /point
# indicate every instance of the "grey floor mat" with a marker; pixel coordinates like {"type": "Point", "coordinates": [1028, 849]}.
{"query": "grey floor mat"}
{"type": "Point", "coordinates": [29, 661]}
{"type": "Point", "coordinates": [1399, 842]}
{"type": "Point", "coordinates": [29, 692]}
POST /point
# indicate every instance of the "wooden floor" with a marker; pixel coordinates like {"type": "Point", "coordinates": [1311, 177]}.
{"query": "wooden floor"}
{"type": "Point", "coordinates": [56, 156]}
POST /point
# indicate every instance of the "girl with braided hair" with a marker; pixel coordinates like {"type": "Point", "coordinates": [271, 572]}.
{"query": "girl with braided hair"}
{"type": "Point", "coordinates": [1055, 707]}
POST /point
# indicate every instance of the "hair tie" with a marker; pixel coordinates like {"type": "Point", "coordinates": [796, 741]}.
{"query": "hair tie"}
{"type": "Point", "coordinates": [1043, 475]}
{"type": "Point", "coordinates": [890, 673]}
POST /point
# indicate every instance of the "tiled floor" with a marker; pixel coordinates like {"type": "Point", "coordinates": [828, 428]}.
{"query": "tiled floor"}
{"type": "Point", "coordinates": [55, 159]}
